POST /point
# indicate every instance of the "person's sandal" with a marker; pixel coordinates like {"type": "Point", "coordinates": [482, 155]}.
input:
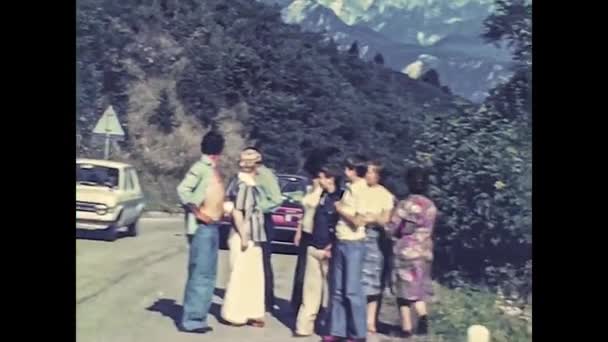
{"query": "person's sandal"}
{"type": "Point", "coordinates": [256, 323]}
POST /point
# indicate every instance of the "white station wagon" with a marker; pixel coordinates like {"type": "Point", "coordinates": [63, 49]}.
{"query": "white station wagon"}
{"type": "Point", "coordinates": [108, 197]}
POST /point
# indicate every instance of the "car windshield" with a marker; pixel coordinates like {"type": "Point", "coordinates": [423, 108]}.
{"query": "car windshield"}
{"type": "Point", "coordinates": [292, 185]}
{"type": "Point", "coordinates": [95, 175]}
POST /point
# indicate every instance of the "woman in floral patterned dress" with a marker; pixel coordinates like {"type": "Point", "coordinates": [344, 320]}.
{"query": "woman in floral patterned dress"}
{"type": "Point", "coordinates": [411, 226]}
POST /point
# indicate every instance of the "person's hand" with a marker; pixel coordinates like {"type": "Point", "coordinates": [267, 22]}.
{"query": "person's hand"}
{"type": "Point", "coordinates": [244, 243]}
{"type": "Point", "coordinates": [316, 183]}
{"type": "Point", "coordinates": [370, 218]}
{"type": "Point", "coordinates": [228, 207]}
{"type": "Point", "coordinates": [327, 251]}
{"type": "Point", "coordinates": [297, 237]}
{"type": "Point", "coordinates": [197, 214]}
{"type": "Point", "coordinates": [191, 207]}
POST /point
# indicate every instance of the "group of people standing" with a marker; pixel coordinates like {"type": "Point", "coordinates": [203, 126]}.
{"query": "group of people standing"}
{"type": "Point", "coordinates": [344, 238]}
{"type": "Point", "coordinates": [344, 276]}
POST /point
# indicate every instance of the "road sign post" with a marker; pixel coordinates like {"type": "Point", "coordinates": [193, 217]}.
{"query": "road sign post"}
{"type": "Point", "coordinates": [110, 128]}
{"type": "Point", "coordinates": [106, 150]}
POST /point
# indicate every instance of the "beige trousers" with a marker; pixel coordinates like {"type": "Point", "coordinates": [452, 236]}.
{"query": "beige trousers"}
{"type": "Point", "coordinates": [244, 297]}
{"type": "Point", "coordinates": [315, 291]}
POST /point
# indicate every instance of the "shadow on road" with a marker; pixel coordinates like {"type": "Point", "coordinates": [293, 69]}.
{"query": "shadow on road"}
{"type": "Point", "coordinates": [97, 235]}
{"type": "Point", "coordinates": [168, 308]}
{"type": "Point", "coordinates": [285, 313]}
{"type": "Point", "coordinates": [216, 309]}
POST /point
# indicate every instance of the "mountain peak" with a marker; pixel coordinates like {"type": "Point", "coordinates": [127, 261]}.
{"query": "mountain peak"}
{"type": "Point", "coordinates": [420, 22]}
{"type": "Point", "coordinates": [404, 31]}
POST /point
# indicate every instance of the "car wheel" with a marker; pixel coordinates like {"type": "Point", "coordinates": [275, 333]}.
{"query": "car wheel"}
{"type": "Point", "coordinates": [132, 229]}
{"type": "Point", "coordinates": [111, 233]}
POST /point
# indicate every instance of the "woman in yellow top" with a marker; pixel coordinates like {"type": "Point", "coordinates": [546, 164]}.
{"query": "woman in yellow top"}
{"type": "Point", "coordinates": [377, 211]}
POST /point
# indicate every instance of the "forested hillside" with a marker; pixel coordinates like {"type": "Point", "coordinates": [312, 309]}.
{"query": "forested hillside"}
{"type": "Point", "coordinates": [174, 68]}
{"type": "Point", "coordinates": [170, 67]}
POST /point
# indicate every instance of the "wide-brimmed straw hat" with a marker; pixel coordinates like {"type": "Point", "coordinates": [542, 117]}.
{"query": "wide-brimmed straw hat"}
{"type": "Point", "coordinates": [250, 158]}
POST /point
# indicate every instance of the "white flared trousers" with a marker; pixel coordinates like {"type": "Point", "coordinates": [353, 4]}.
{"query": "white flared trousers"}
{"type": "Point", "coordinates": [244, 297]}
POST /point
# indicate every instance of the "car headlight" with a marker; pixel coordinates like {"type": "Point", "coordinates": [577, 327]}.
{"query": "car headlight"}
{"type": "Point", "coordinates": [102, 209]}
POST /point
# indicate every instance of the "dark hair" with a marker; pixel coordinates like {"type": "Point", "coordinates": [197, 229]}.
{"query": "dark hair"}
{"type": "Point", "coordinates": [332, 171]}
{"type": "Point", "coordinates": [379, 167]}
{"type": "Point", "coordinates": [212, 143]}
{"type": "Point", "coordinates": [417, 179]}
{"type": "Point", "coordinates": [357, 163]}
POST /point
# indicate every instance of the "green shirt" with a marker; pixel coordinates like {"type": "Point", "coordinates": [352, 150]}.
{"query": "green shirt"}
{"type": "Point", "coordinates": [192, 188]}
{"type": "Point", "coordinates": [268, 185]}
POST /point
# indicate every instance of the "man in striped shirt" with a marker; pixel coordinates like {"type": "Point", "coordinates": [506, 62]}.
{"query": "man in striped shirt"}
{"type": "Point", "coordinates": [267, 182]}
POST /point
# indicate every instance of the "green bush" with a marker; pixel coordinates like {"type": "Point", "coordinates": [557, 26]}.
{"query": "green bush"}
{"type": "Point", "coordinates": [481, 181]}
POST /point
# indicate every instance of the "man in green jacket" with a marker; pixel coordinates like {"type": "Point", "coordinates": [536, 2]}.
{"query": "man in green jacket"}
{"type": "Point", "coordinates": [200, 184]}
{"type": "Point", "coordinates": [272, 199]}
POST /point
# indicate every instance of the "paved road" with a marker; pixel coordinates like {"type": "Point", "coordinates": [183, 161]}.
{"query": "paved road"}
{"type": "Point", "coordinates": [131, 289]}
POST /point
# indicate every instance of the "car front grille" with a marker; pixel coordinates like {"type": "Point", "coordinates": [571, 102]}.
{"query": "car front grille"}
{"type": "Point", "coordinates": [85, 206]}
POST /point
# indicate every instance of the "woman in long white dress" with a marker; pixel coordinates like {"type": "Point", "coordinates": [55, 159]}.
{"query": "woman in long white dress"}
{"type": "Point", "coordinates": [244, 297]}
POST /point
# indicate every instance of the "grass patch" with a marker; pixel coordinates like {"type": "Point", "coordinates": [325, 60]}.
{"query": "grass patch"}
{"type": "Point", "coordinates": [455, 310]}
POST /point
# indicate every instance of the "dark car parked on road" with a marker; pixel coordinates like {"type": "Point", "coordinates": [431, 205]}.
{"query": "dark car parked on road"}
{"type": "Point", "coordinates": [285, 218]}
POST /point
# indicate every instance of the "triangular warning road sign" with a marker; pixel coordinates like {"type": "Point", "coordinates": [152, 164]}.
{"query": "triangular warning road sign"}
{"type": "Point", "coordinates": [109, 124]}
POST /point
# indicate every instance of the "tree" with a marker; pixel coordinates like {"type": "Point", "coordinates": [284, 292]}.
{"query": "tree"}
{"type": "Point", "coordinates": [354, 49]}
{"type": "Point", "coordinates": [481, 183]}
{"type": "Point", "coordinates": [431, 77]}
{"type": "Point", "coordinates": [511, 23]}
{"type": "Point", "coordinates": [379, 59]}
{"type": "Point", "coordinates": [164, 116]}
{"type": "Point", "coordinates": [481, 163]}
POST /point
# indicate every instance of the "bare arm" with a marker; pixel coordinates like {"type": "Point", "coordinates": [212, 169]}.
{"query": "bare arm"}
{"type": "Point", "coordinates": [298, 235]}
{"type": "Point", "coordinates": [395, 221]}
{"type": "Point", "coordinates": [239, 221]}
